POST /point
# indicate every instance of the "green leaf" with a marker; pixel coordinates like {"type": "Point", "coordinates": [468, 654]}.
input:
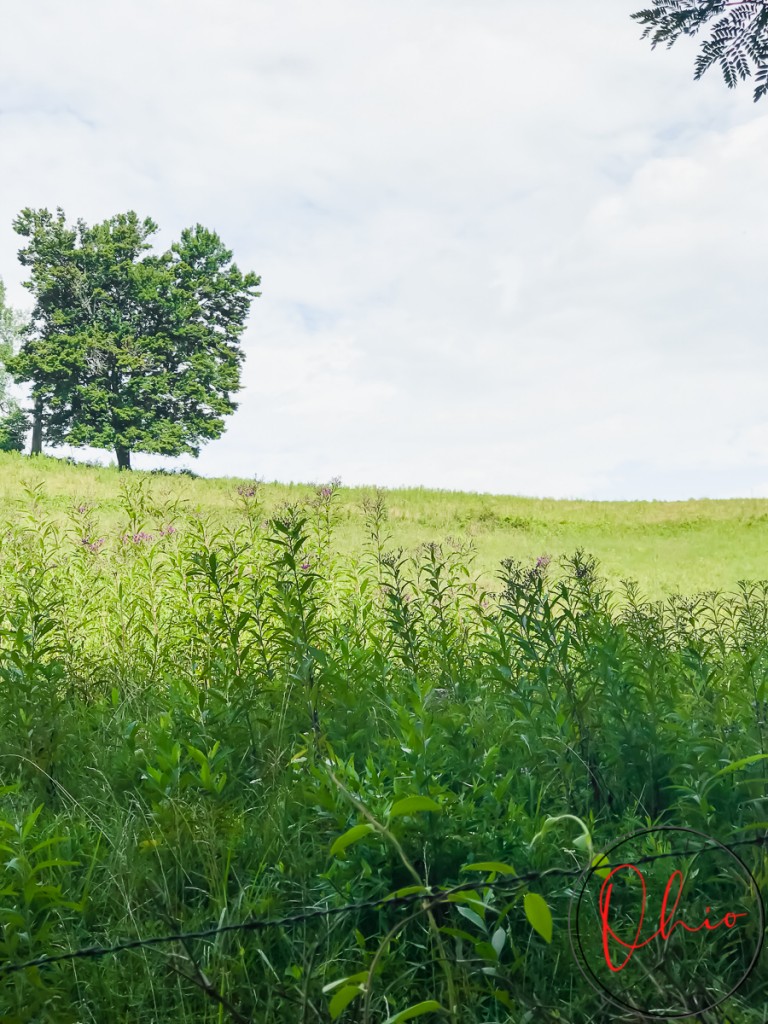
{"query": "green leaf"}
{"type": "Point", "coordinates": [55, 862]}
{"type": "Point", "coordinates": [349, 837]}
{"type": "Point", "coordinates": [46, 843]}
{"type": "Point", "coordinates": [601, 859]}
{"type": "Point", "coordinates": [29, 821]}
{"type": "Point", "coordinates": [498, 939]}
{"type": "Point", "coordinates": [503, 997]}
{"type": "Point", "coordinates": [343, 998]}
{"type": "Point", "coordinates": [554, 821]}
{"type": "Point", "coordinates": [487, 952]}
{"type": "Point", "coordinates": [351, 980]}
{"type": "Point", "coordinates": [740, 764]}
{"type": "Point", "coordinates": [471, 898]}
{"type": "Point", "coordinates": [472, 916]}
{"type": "Point", "coordinates": [489, 865]}
{"type": "Point", "coordinates": [407, 890]}
{"type": "Point", "coordinates": [412, 804]}
{"type": "Point", "coordinates": [538, 914]}
{"type": "Point", "coordinates": [428, 1006]}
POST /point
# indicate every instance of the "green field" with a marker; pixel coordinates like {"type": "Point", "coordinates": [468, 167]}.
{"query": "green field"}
{"type": "Point", "coordinates": [667, 547]}
{"type": "Point", "coordinates": [226, 702]}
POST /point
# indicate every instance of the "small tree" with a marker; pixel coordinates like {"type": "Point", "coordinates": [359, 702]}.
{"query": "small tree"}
{"type": "Point", "coordinates": [738, 39]}
{"type": "Point", "coordinates": [13, 421]}
{"type": "Point", "coordinates": [127, 349]}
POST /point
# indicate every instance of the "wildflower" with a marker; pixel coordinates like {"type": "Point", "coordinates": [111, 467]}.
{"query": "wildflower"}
{"type": "Point", "coordinates": [325, 492]}
{"type": "Point", "coordinates": [82, 509]}
{"type": "Point", "coordinates": [247, 492]}
{"type": "Point", "coordinates": [305, 566]}
{"type": "Point", "coordinates": [166, 531]}
{"type": "Point", "coordinates": [92, 545]}
{"type": "Point", "coordinates": [543, 561]}
{"type": "Point", "coordinates": [141, 536]}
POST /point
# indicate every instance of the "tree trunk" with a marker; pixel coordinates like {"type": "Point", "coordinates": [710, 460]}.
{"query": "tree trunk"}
{"type": "Point", "coordinates": [123, 457]}
{"type": "Point", "coordinates": [37, 428]}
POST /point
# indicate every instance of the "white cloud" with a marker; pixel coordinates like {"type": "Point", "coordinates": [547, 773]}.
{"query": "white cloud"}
{"type": "Point", "coordinates": [502, 248]}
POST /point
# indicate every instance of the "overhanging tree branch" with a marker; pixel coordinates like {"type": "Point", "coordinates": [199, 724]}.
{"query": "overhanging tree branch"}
{"type": "Point", "coordinates": [738, 40]}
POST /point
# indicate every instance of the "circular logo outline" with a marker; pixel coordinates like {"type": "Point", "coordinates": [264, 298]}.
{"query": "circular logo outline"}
{"type": "Point", "coordinates": [595, 982]}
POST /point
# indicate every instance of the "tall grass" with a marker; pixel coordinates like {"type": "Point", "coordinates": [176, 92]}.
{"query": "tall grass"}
{"type": "Point", "coordinates": [683, 546]}
{"type": "Point", "coordinates": [195, 709]}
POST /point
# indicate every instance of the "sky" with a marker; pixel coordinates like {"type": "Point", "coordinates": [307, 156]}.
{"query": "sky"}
{"type": "Point", "coordinates": [503, 247]}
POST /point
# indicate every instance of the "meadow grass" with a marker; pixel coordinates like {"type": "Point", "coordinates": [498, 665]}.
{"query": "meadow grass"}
{"type": "Point", "coordinates": [667, 547]}
{"type": "Point", "coordinates": [222, 700]}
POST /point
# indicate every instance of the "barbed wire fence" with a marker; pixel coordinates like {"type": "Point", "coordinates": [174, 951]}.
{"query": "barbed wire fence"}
{"type": "Point", "coordinates": [430, 896]}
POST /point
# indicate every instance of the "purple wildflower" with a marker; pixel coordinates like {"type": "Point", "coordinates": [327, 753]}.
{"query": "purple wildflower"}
{"type": "Point", "coordinates": [247, 492]}
{"type": "Point", "coordinates": [141, 536]}
{"type": "Point", "coordinates": [305, 566]}
{"type": "Point", "coordinates": [92, 545]}
{"type": "Point", "coordinates": [543, 561]}
{"type": "Point", "coordinates": [166, 531]}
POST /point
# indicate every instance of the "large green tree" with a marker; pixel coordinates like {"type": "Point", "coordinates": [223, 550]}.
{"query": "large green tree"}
{"type": "Point", "coordinates": [130, 350]}
{"type": "Point", "coordinates": [13, 421]}
{"type": "Point", "coordinates": [738, 41]}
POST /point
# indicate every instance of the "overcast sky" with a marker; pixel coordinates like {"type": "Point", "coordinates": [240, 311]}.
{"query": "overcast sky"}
{"type": "Point", "coordinates": [504, 246]}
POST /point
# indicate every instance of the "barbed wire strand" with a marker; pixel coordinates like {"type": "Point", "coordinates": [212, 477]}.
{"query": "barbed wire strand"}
{"type": "Point", "coordinates": [428, 893]}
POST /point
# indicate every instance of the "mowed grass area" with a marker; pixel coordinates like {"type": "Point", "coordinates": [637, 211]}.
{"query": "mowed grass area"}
{"type": "Point", "coordinates": [667, 547]}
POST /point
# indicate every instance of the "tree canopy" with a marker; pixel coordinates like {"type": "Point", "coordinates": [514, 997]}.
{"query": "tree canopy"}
{"type": "Point", "coordinates": [738, 41]}
{"type": "Point", "coordinates": [13, 422]}
{"type": "Point", "coordinates": [128, 349]}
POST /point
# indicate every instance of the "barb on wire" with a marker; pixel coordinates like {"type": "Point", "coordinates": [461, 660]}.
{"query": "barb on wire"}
{"type": "Point", "coordinates": [432, 895]}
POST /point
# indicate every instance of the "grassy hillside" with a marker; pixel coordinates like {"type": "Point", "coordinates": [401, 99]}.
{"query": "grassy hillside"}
{"type": "Point", "coordinates": [683, 546]}
{"type": "Point", "coordinates": [226, 705]}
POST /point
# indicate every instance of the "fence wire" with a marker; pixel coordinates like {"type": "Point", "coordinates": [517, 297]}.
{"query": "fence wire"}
{"type": "Point", "coordinates": [431, 895]}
